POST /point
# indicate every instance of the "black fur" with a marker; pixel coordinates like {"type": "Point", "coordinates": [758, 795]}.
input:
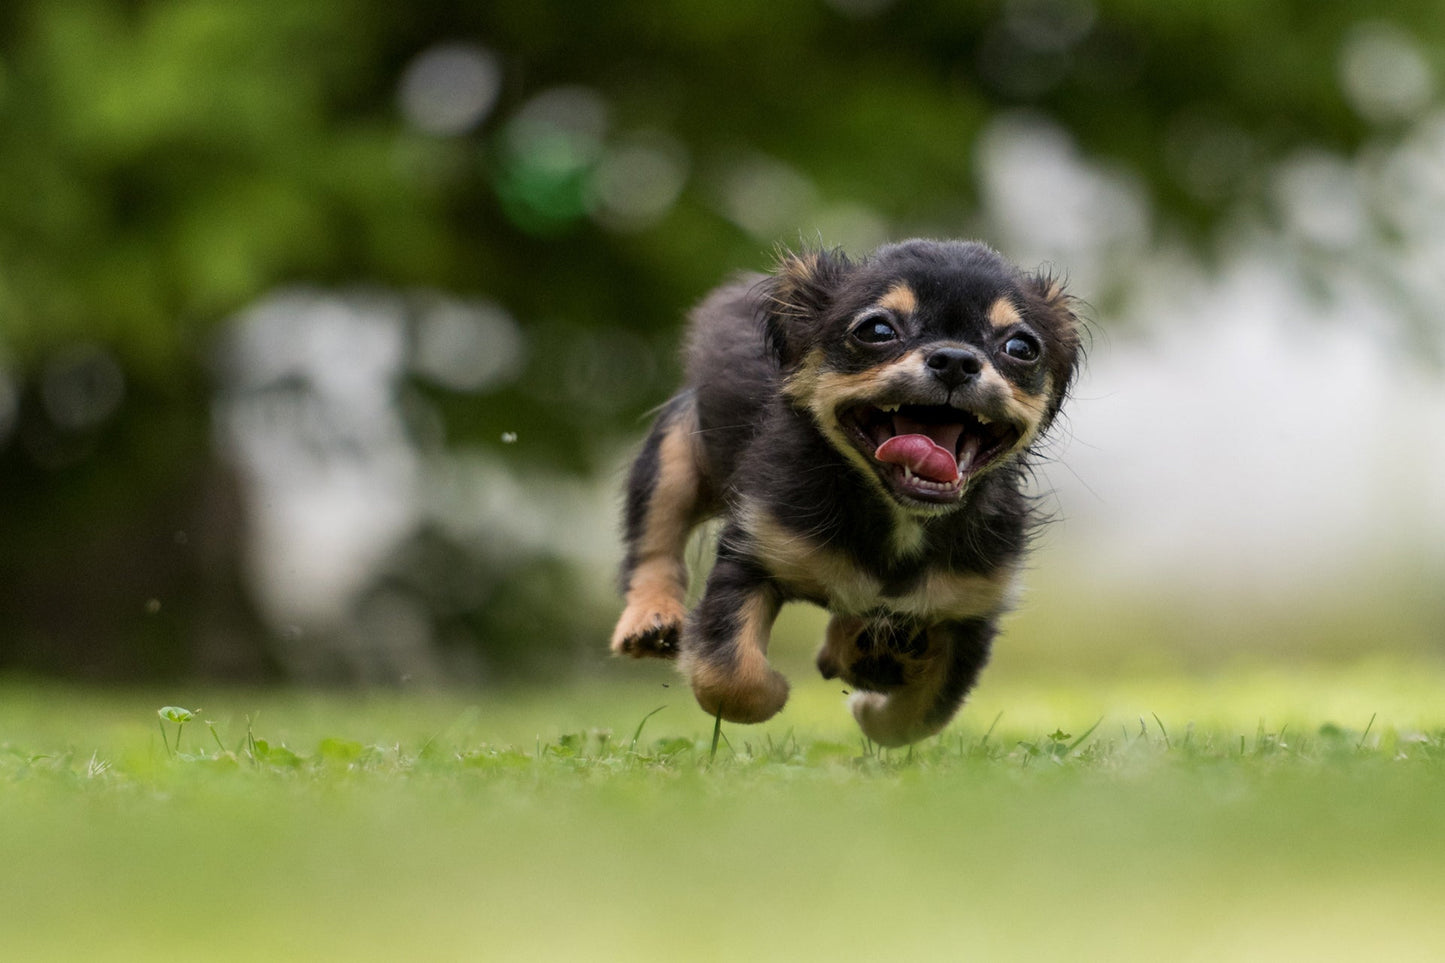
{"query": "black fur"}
{"type": "Point", "coordinates": [970, 644]}
{"type": "Point", "coordinates": [735, 579]}
{"type": "Point", "coordinates": [795, 382]}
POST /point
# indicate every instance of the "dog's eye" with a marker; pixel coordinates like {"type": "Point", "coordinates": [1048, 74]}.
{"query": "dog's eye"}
{"type": "Point", "coordinates": [875, 330]}
{"type": "Point", "coordinates": [1022, 347]}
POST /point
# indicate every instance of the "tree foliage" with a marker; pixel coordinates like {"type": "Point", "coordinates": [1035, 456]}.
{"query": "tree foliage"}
{"type": "Point", "coordinates": [169, 164]}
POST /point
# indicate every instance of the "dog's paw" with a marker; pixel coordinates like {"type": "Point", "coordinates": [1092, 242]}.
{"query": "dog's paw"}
{"type": "Point", "coordinates": [752, 692]}
{"type": "Point", "coordinates": [874, 656]}
{"type": "Point", "coordinates": [649, 629]}
{"type": "Point", "coordinates": [892, 720]}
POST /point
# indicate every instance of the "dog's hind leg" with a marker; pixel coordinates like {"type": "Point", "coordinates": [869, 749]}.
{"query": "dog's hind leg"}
{"type": "Point", "coordinates": [664, 502]}
{"type": "Point", "coordinates": [724, 648]}
{"type": "Point", "coordinates": [933, 688]}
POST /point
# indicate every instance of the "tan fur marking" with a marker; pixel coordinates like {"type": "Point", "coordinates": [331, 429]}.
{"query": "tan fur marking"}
{"type": "Point", "coordinates": [795, 271]}
{"type": "Point", "coordinates": [816, 571]}
{"type": "Point", "coordinates": [657, 588]}
{"type": "Point", "coordinates": [655, 603]}
{"type": "Point", "coordinates": [827, 392]}
{"type": "Point", "coordinates": [907, 538]}
{"type": "Point", "coordinates": [749, 690]}
{"type": "Point", "coordinates": [1003, 314]}
{"type": "Point", "coordinates": [1029, 409]}
{"type": "Point", "coordinates": [900, 299]}
{"type": "Point", "coordinates": [838, 638]}
{"type": "Point", "coordinates": [801, 266]}
{"type": "Point", "coordinates": [832, 390]}
{"type": "Point", "coordinates": [669, 514]}
{"type": "Point", "coordinates": [959, 595]}
{"type": "Point", "coordinates": [824, 393]}
{"type": "Point", "coordinates": [807, 567]}
{"type": "Point", "coordinates": [804, 379]}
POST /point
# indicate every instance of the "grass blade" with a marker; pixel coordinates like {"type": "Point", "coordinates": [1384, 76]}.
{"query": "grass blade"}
{"type": "Point", "coordinates": [1165, 732]}
{"type": "Point", "coordinates": [638, 734]}
{"type": "Point", "coordinates": [1368, 726]}
{"type": "Point", "coordinates": [991, 726]}
{"type": "Point", "coordinates": [1087, 732]}
{"type": "Point", "coordinates": [716, 732]}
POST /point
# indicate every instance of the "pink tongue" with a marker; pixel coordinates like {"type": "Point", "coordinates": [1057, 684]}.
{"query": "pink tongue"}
{"type": "Point", "coordinates": [919, 453]}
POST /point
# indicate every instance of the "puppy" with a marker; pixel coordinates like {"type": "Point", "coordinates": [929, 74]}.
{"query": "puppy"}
{"type": "Point", "coordinates": [863, 428]}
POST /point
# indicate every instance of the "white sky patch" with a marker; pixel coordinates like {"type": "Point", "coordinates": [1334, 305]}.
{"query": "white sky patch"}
{"type": "Point", "coordinates": [1320, 197]}
{"type": "Point", "coordinates": [1047, 204]}
{"type": "Point", "coordinates": [1253, 437]}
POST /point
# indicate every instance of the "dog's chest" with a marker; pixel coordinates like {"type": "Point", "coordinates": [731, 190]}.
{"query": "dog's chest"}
{"type": "Point", "coordinates": [810, 569]}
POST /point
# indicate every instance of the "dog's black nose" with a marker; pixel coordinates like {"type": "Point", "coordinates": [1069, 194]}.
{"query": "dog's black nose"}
{"type": "Point", "coordinates": [954, 366]}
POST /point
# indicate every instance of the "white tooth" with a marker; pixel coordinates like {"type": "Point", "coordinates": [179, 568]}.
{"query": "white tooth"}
{"type": "Point", "coordinates": [968, 451]}
{"type": "Point", "coordinates": [888, 408]}
{"type": "Point", "coordinates": [982, 419]}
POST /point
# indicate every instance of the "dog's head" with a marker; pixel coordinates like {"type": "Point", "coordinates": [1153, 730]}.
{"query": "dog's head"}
{"type": "Point", "coordinates": [926, 365]}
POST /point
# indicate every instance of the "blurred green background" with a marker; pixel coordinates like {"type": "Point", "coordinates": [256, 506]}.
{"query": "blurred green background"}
{"type": "Point", "coordinates": [325, 329]}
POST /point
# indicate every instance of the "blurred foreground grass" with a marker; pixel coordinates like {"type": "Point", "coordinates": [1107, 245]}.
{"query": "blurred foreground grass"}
{"type": "Point", "coordinates": [1254, 813]}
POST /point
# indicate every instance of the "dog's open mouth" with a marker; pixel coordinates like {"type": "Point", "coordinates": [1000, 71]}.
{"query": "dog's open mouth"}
{"type": "Point", "coordinates": [928, 452]}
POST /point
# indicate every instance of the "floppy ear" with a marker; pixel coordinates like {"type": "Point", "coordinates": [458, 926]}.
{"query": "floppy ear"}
{"type": "Point", "coordinates": [795, 298]}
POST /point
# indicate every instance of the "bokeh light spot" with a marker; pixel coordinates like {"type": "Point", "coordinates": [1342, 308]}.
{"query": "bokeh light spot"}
{"type": "Point", "coordinates": [1319, 196]}
{"type": "Point", "coordinates": [765, 197]}
{"type": "Point", "coordinates": [1384, 74]}
{"type": "Point", "coordinates": [547, 153]}
{"type": "Point", "coordinates": [450, 88]}
{"type": "Point", "coordinates": [638, 181]}
{"type": "Point", "coordinates": [81, 387]}
{"type": "Point", "coordinates": [467, 346]}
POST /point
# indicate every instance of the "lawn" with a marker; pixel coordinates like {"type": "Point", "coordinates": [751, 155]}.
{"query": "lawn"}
{"type": "Point", "coordinates": [1253, 813]}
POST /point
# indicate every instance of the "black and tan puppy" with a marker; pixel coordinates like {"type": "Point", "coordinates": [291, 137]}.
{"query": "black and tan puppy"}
{"type": "Point", "coordinates": [862, 428]}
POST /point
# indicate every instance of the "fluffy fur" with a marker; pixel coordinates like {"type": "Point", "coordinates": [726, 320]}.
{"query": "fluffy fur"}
{"type": "Point", "coordinates": [863, 428]}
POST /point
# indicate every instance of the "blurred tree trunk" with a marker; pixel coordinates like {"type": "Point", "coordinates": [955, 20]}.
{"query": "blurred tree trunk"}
{"type": "Point", "coordinates": [122, 555]}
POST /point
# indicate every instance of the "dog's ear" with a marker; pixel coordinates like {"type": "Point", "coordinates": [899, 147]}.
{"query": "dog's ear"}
{"type": "Point", "coordinates": [1062, 328]}
{"type": "Point", "coordinates": [796, 297]}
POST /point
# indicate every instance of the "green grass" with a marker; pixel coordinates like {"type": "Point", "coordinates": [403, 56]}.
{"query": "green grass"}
{"type": "Point", "coordinates": [1248, 814]}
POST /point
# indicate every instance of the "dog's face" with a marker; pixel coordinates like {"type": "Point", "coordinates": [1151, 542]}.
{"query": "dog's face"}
{"type": "Point", "coordinates": [926, 365]}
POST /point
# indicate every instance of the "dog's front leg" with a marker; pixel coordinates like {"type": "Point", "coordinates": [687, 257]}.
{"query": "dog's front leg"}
{"type": "Point", "coordinates": [933, 687]}
{"type": "Point", "coordinates": [725, 643]}
{"type": "Point", "coordinates": [664, 501]}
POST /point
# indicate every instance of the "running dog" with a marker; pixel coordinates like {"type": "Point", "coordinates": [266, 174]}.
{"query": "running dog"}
{"type": "Point", "coordinates": [864, 429]}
